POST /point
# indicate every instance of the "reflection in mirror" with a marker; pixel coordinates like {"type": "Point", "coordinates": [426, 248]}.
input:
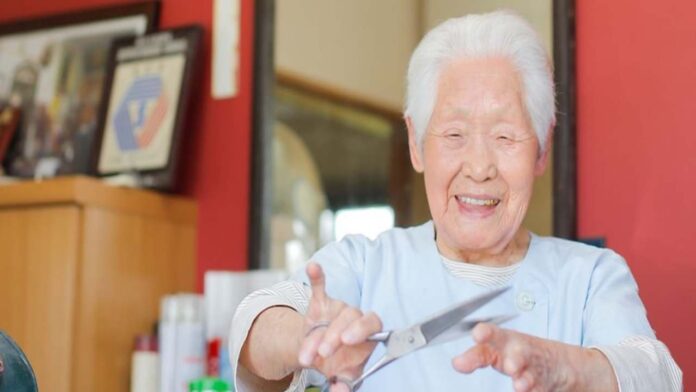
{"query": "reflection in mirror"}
{"type": "Point", "coordinates": [338, 166]}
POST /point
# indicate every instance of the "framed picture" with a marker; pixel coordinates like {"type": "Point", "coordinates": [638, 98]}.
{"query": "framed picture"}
{"type": "Point", "coordinates": [146, 98]}
{"type": "Point", "coordinates": [56, 67]}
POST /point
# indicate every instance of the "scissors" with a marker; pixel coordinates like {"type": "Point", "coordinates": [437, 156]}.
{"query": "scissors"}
{"type": "Point", "coordinates": [445, 326]}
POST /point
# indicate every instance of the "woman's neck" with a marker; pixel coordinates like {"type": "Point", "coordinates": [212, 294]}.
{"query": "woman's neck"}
{"type": "Point", "coordinates": [512, 253]}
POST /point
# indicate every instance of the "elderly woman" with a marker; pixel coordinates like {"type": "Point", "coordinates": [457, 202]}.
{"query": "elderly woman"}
{"type": "Point", "coordinates": [479, 113]}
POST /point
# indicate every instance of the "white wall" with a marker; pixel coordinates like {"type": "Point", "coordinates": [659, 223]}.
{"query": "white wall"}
{"type": "Point", "coordinates": [359, 47]}
{"type": "Point", "coordinates": [362, 47]}
{"type": "Point", "coordinates": [538, 12]}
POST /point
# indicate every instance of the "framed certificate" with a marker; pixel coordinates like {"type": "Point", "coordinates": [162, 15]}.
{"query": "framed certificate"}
{"type": "Point", "coordinates": [146, 101]}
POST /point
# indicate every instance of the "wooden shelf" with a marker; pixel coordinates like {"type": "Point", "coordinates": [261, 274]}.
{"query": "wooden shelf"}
{"type": "Point", "coordinates": [82, 190]}
{"type": "Point", "coordinates": [84, 266]}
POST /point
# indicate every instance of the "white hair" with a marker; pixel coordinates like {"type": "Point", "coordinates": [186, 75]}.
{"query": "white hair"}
{"type": "Point", "coordinates": [495, 34]}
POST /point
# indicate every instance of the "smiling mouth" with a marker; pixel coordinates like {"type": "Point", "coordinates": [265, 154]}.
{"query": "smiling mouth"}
{"type": "Point", "coordinates": [477, 202]}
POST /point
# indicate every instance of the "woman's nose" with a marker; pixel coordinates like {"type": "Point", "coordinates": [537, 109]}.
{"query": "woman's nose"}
{"type": "Point", "coordinates": [478, 161]}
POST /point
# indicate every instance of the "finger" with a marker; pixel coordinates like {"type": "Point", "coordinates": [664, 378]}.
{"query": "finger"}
{"type": "Point", "coordinates": [523, 383]}
{"type": "Point", "coordinates": [477, 357]}
{"type": "Point", "coordinates": [361, 329]}
{"type": "Point", "coordinates": [339, 387]}
{"type": "Point", "coordinates": [308, 349]}
{"type": "Point", "coordinates": [514, 359]}
{"type": "Point", "coordinates": [485, 333]}
{"type": "Point", "coordinates": [332, 337]}
{"type": "Point", "coordinates": [316, 280]}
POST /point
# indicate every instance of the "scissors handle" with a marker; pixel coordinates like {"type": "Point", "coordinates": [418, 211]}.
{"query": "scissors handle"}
{"type": "Point", "coordinates": [353, 385]}
{"type": "Point", "coordinates": [379, 337]}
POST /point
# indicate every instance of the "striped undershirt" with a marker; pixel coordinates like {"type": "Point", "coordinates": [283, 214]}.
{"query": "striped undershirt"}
{"type": "Point", "coordinates": [481, 275]}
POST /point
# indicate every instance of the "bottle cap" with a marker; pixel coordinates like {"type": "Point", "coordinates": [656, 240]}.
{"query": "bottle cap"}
{"type": "Point", "coordinates": [146, 343]}
{"type": "Point", "coordinates": [209, 384]}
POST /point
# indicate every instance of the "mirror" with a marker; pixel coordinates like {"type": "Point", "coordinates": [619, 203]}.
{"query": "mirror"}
{"type": "Point", "coordinates": [339, 166]}
{"type": "Point", "coordinates": [330, 151]}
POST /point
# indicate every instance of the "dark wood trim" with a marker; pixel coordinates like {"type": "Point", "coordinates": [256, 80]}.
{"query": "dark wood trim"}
{"type": "Point", "coordinates": [337, 95]}
{"type": "Point", "coordinates": [564, 151]}
{"type": "Point", "coordinates": [262, 135]}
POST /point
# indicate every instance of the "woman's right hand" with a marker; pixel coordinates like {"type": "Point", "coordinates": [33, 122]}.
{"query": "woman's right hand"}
{"type": "Point", "coordinates": [335, 341]}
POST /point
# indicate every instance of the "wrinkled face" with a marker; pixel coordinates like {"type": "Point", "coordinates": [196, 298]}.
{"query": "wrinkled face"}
{"type": "Point", "coordinates": [479, 157]}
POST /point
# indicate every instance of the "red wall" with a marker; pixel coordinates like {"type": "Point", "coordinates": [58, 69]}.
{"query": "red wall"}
{"type": "Point", "coordinates": [636, 67]}
{"type": "Point", "coordinates": [217, 153]}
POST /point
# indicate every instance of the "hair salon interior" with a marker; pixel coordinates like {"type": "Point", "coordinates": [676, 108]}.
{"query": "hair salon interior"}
{"type": "Point", "coordinates": [163, 159]}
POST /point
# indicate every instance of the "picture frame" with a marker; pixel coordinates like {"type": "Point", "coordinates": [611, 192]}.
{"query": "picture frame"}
{"type": "Point", "coordinates": [56, 66]}
{"type": "Point", "coordinates": [144, 106]}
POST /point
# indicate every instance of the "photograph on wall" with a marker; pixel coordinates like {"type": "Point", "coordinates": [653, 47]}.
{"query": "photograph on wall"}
{"type": "Point", "coordinates": [145, 104]}
{"type": "Point", "coordinates": [56, 67]}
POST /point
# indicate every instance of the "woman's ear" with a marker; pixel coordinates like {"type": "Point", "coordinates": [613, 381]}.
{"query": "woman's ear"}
{"type": "Point", "coordinates": [543, 159]}
{"type": "Point", "coordinates": [413, 149]}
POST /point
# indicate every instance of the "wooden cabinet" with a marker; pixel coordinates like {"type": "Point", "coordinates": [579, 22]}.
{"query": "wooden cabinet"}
{"type": "Point", "coordinates": [82, 269]}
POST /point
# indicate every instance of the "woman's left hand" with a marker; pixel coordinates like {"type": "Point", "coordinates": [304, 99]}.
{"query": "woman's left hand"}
{"type": "Point", "coordinates": [536, 364]}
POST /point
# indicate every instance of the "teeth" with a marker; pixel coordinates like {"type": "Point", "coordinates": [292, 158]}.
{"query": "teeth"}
{"type": "Point", "coordinates": [478, 202]}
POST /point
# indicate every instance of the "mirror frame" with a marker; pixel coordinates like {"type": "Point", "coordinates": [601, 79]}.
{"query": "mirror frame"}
{"type": "Point", "coordinates": [564, 145]}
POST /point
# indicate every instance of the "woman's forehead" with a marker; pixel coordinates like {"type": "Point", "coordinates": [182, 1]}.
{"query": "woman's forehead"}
{"type": "Point", "coordinates": [483, 78]}
{"type": "Point", "coordinates": [478, 87]}
{"type": "Point", "coordinates": [483, 105]}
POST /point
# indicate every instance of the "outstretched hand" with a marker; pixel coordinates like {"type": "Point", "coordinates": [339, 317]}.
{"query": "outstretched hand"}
{"type": "Point", "coordinates": [336, 334]}
{"type": "Point", "coordinates": [536, 364]}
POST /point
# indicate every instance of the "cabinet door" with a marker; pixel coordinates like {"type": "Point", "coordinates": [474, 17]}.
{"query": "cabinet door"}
{"type": "Point", "coordinates": [38, 260]}
{"type": "Point", "coordinates": [129, 262]}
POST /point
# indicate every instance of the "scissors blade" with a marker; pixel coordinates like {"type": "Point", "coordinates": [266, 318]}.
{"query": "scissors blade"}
{"type": "Point", "coordinates": [446, 319]}
{"type": "Point", "coordinates": [463, 328]}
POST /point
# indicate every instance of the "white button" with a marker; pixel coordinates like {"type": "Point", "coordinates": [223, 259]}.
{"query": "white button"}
{"type": "Point", "coordinates": [525, 301]}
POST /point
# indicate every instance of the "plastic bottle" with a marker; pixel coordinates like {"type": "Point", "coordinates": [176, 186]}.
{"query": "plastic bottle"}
{"type": "Point", "coordinates": [145, 367]}
{"type": "Point", "coordinates": [182, 341]}
{"type": "Point", "coordinates": [167, 342]}
{"type": "Point", "coordinates": [190, 341]}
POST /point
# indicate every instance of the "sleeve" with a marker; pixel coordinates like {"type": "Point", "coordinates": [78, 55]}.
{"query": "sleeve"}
{"type": "Point", "coordinates": [616, 323]}
{"type": "Point", "coordinates": [643, 364]}
{"type": "Point", "coordinates": [290, 294]}
{"type": "Point", "coordinates": [613, 309]}
{"type": "Point", "coordinates": [343, 264]}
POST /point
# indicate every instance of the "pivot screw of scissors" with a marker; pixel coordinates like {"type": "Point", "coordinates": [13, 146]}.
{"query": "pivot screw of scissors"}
{"type": "Point", "coordinates": [411, 339]}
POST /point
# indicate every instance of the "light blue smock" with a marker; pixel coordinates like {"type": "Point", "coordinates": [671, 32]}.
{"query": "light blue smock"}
{"type": "Point", "coordinates": [564, 291]}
